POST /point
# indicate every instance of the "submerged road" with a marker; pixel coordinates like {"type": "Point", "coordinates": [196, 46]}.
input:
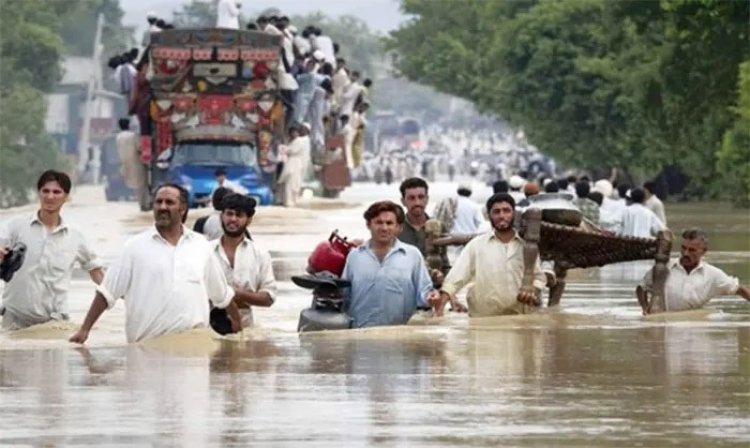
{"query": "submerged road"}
{"type": "Point", "coordinates": [592, 373]}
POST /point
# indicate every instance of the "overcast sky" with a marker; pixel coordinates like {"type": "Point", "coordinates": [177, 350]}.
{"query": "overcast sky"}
{"type": "Point", "coordinates": [380, 15]}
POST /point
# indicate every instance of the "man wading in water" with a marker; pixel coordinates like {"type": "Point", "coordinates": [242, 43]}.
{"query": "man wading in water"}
{"type": "Point", "coordinates": [167, 274]}
{"type": "Point", "coordinates": [494, 263]}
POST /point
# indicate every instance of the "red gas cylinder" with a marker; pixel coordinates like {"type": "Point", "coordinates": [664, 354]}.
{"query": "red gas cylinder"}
{"type": "Point", "coordinates": [330, 255]}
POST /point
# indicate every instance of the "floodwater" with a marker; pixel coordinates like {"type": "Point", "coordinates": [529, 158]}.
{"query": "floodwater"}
{"type": "Point", "coordinates": [591, 373]}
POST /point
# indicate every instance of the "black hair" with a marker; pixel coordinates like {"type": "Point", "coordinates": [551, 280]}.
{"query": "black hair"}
{"type": "Point", "coordinates": [562, 183]}
{"type": "Point", "coordinates": [500, 186]}
{"type": "Point", "coordinates": [218, 197]}
{"type": "Point", "coordinates": [551, 187]}
{"type": "Point", "coordinates": [463, 191]}
{"type": "Point", "coordinates": [54, 176]}
{"type": "Point", "coordinates": [582, 189]}
{"type": "Point", "coordinates": [252, 26]}
{"type": "Point", "coordinates": [637, 195]}
{"type": "Point", "coordinates": [220, 171]}
{"type": "Point", "coordinates": [239, 203]}
{"type": "Point", "coordinates": [367, 82]}
{"type": "Point", "coordinates": [384, 206]}
{"type": "Point", "coordinates": [184, 195]}
{"type": "Point", "coordinates": [650, 186]}
{"type": "Point", "coordinates": [124, 123]}
{"type": "Point", "coordinates": [336, 48]}
{"type": "Point", "coordinates": [326, 69]}
{"type": "Point", "coordinates": [161, 23]}
{"type": "Point", "coordinates": [500, 197]}
{"type": "Point", "coordinates": [412, 182]}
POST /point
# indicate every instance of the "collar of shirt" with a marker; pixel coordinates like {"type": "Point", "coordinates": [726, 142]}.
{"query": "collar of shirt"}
{"type": "Point", "coordinates": [677, 265]}
{"type": "Point", "coordinates": [516, 237]}
{"type": "Point", "coordinates": [216, 246]}
{"type": "Point", "coordinates": [397, 246]}
{"type": "Point", "coordinates": [187, 234]}
{"type": "Point", "coordinates": [60, 227]}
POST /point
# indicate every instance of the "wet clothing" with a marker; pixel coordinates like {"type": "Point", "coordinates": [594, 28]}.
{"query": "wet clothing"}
{"type": "Point", "coordinates": [252, 272]}
{"type": "Point", "coordinates": [38, 291]}
{"type": "Point", "coordinates": [589, 208]}
{"type": "Point", "coordinates": [167, 288]}
{"type": "Point", "coordinates": [690, 291]}
{"type": "Point", "coordinates": [387, 292]}
{"type": "Point", "coordinates": [496, 270]}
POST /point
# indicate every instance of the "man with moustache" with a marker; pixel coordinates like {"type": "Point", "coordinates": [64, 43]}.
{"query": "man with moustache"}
{"type": "Point", "coordinates": [389, 279]}
{"type": "Point", "coordinates": [166, 274]}
{"type": "Point", "coordinates": [415, 196]}
{"type": "Point", "coordinates": [246, 267]}
{"type": "Point", "coordinates": [691, 282]}
{"type": "Point", "coordinates": [38, 291]}
{"type": "Point", "coordinates": [494, 263]}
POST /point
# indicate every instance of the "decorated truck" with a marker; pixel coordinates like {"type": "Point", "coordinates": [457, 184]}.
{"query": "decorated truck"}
{"type": "Point", "coordinates": [209, 99]}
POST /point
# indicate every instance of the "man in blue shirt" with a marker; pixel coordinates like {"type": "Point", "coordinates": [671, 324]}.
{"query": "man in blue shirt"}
{"type": "Point", "coordinates": [389, 279]}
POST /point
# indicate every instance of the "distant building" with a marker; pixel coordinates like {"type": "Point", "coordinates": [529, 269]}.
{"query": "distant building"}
{"type": "Point", "coordinates": [65, 109]}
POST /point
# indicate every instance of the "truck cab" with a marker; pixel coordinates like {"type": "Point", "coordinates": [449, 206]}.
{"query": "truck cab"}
{"type": "Point", "coordinates": [193, 165]}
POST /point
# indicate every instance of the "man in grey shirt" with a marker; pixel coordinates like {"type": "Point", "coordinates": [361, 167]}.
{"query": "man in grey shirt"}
{"type": "Point", "coordinates": [38, 292]}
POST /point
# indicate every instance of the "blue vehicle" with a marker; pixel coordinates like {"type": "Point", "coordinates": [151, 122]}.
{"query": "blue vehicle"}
{"type": "Point", "coordinates": [193, 164]}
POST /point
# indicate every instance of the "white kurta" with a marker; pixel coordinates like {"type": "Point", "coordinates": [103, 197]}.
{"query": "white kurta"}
{"type": "Point", "coordinates": [292, 173]}
{"type": "Point", "coordinates": [166, 288]}
{"type": "Point", "coordinates": [468, 217]}
{"type": "Point", "coordinates": [38, 291]}
{"type": "Point", "coordinates": [131, 167]}
{"type": "Point", "coordinates": [657, 206]}
{"type": "Point", "coordinates": [496, 269]}
{"type": "Point", "coordinates": [639, 221]}
{"type": "Point", "coordinates": [252, 272]}
{"type": "Point", "coordinates": [228, 15]}
{"type": "Point", "coordinates": [691, 291]}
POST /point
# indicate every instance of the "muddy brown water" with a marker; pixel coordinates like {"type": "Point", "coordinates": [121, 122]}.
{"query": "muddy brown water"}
{"type": "Point", "coordinates": [590, 373]}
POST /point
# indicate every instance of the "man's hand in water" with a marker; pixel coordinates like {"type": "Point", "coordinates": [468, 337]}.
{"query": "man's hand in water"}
{"type": "Point", "coordinates": [528, 297]}
{"type": "Point", "coordinates": [79, 337]}
{"type": "Point", "coordinates": [437, 278]}
{"type": "Point", "coordinates": [437, 301]}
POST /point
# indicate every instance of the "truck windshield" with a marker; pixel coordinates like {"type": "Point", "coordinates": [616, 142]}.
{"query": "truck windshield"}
{"type": "Point", "coordinates": [206, 153]}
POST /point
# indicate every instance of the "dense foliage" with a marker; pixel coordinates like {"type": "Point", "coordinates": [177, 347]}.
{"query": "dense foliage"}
{"type": "Point", "coordinates": [642, 85]}
{"type": "Point", "coordinates": [34, 36]}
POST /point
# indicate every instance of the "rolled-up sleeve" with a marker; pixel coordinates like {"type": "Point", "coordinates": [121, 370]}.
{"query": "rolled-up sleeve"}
{"type": "Point", "coordinates": [422, 281]}
{"type": "Point", "coordinates": [462, 272]}
{"type": "Point", "coordinates": [723, 284]}
{"type": "Point", "coordinates": [86, 256]}
{"type": "Point", "coordinates": [117, 279]}
{"type": "Point", "coordinates": [217, 289]}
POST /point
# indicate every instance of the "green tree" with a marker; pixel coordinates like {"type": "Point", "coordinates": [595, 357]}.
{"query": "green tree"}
{"type": "Point", "coordinates": [638, 84]}
{"type": "Point", "coordinates": [733, 159]}
{"type": "Point", "coordinates": [196, 14]}
{"type": "Point", "coordinates": [30, 66]}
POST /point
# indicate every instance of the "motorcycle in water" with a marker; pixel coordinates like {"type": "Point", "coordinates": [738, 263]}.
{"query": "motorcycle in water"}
{"type": "Point", "coordinates": [325, 266]}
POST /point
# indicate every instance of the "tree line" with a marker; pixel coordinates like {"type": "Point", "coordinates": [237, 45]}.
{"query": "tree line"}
{"type": "Point", "coordinates": [34, 37]}
{"type": "Point", "coordinates": [647, 86]}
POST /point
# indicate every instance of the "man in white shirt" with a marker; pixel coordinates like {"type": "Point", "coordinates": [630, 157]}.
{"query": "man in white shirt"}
{"type": "Point", "coordinates": [325, 45]}
{"type": "Point", "coordinates": [222, 181]}
{"type": "Point", "coordinates": [610, 211]}
{"type": "Point", "coordinates": [228, 14]}
{"type": "Point", "coordinates": [38, 291]}
{"type": "Point", "coordinates": [494, 263]}
{"type": "Point", "coordinates": [167, 274]}
{"type": "Point", "coordinates": [637, 220]}
{"type": "Point", "coordinates": [292, 173]}
{"type": "Point", "coordinates": [691, 282]}
{"type": "Point", "coordinates": [246, 267]}
{"type": "Point", "coordinates": [653, 202]}
{"type": "Point", "coordinates": [468, 213]}
{"type": "Point", "coordinates": [132, 170]}
{"type": "Point", "coordinates": [210, 226]}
